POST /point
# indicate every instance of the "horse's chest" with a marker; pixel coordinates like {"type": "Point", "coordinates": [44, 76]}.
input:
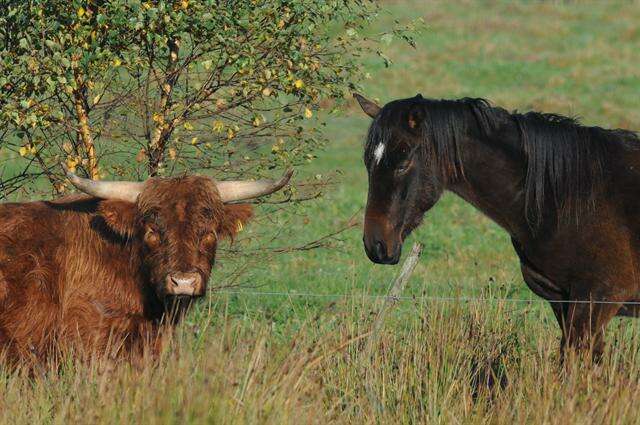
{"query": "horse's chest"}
{"type": "Point", "coordinates": [536, 279]}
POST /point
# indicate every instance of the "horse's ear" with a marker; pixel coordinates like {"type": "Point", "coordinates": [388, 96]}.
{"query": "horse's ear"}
{"type": "Point", "coordinates": [416, 116]}
{"type": "Point", "coordinates": [370, 108]}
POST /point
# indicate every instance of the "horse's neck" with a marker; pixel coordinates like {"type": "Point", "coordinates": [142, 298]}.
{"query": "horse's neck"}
{"type": "Point", "coordinates": [493, 183]}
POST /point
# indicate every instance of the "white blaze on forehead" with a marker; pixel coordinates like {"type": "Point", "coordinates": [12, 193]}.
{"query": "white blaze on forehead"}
{"type": "Point", "coordinates": [378, 152]}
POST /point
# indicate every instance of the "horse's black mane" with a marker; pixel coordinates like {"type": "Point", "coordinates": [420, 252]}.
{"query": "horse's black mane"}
{"type": "Point", "coordinates": [565, 159]}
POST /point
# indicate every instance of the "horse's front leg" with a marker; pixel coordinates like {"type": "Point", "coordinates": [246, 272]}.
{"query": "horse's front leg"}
{"type": "Point", "coordinates": [583, 324]}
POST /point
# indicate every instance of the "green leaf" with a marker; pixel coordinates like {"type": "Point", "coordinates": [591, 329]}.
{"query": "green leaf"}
{"type": "Point", "coordinates": [52, 44]}
{"type": "Point", "coordinates": [387, 38]}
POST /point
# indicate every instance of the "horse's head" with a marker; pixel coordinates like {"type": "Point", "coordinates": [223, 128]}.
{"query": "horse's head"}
{"type": "Point", "coordinates": [403, 184]}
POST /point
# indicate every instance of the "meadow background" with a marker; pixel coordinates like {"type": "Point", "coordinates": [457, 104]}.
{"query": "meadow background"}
{"type": "Point", "coordinates": [267, 351]}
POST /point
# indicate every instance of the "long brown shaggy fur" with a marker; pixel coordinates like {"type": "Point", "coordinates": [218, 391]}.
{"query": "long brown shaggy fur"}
{"type": "Point", "coordinates": [81, 272]}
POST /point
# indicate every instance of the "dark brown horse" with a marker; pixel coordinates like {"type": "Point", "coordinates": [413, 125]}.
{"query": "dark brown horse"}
{"type": "Point", "coordinates": [567, 194]}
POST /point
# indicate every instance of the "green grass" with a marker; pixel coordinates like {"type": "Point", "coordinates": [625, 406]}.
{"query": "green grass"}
{"type": "Point", "coordinates": [294, 359]}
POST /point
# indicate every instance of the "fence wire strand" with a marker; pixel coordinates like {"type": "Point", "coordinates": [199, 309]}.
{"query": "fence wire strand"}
{"type": "Point", "coordinates": [419, 298]}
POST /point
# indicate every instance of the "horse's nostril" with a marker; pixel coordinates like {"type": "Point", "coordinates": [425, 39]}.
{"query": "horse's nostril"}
{"type": "Point", "coordinates": [381, 250]}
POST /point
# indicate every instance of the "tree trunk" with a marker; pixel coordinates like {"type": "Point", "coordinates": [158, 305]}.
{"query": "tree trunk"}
{"type": "Point", "coordinates": [164, 127]}
{"type": "Point", "coordinates": [84, 129]}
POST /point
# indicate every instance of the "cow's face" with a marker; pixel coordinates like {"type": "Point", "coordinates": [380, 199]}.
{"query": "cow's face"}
{"type": "Point", "coordinates": [178, 222]}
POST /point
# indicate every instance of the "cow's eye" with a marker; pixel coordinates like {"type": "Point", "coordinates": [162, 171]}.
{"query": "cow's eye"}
{"type": "Point", "coordinates": [151, 237]}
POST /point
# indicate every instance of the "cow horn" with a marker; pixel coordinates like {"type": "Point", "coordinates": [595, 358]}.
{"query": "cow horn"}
{"type": "Point", "coordinates": [122, 190]}
{"type": "Point", "coordinates": [231, 191]}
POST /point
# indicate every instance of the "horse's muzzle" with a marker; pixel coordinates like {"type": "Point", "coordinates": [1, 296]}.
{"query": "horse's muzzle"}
{"type": "Point", "coordinates": [381, 252]}
{"type": "Point", "coordinates": [382, 242]}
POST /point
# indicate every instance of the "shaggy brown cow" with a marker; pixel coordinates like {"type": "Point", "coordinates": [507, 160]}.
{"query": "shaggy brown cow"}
{"type": "Point", "coordinates": [101, 272]}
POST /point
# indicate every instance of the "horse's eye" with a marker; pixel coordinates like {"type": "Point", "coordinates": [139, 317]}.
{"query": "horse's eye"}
{"type": "Point", "coordinates": [403, 167]}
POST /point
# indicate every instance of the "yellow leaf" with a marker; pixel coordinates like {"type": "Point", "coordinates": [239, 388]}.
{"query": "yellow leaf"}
{"type": "Point", "coordinates": [188, 126]}
{"type": "Point", "coordinates": [141, 156]}
{"type": "Point", "coordinates": [72, 163]}
{"type": "Point", "coordinates": [218, 126]}
{"type": "Point", "coordinates": [172, 153]}
{"type": "Point", "coordinates": [281, 24]}
{"type": "Point", "coordinates": [239, 226]}
{"type": "Point", "coordinates": [266, 91]}
{"type": "Point", "coordinates": [194, 140]}
{"type": "Point", "coordinates": [24, 151]}
{"type": "Point", "coordinates": [308, 113]}
{"type": "Point", "coordinates": [81, 12]}
{"type": "Point", "coordinates": [298, 84]}
{"type": "Point", "coordinates": [117, 62]}
{"type": "Point", "coordinates": [230, 134]}
{"type": "Point", "coordinates": [184, 4]}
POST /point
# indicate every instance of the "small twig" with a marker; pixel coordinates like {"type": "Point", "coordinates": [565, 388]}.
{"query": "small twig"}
{"type": "Point", "coordinates": [321, 242]}
{"type": "Point", "coordinates": [395, 291]}
{"type": "Point", "coordinates": [289, 200]}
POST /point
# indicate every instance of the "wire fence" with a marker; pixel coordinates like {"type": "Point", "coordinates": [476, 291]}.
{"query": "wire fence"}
{"type": "Point", "coordinates": [393, 293]}
{"type": "Point", "coordinates": [418, 298]}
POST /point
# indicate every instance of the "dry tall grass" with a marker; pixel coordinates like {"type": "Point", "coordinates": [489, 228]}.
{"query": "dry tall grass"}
{"type": "Point", "coordinates": [434, 363]}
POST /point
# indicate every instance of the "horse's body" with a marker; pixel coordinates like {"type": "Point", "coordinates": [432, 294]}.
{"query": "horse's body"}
{"type": "Point", "coordinates": [567, 194]}
{"type": "Point", "coordinates": [592, 257]}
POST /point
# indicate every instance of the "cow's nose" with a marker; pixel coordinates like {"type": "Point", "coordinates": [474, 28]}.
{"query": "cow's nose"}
{"type": "Point", "coordinates": [185, 284]}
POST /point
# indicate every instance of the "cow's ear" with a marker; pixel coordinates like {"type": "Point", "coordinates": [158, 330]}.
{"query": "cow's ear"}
{"type": "Point", "coordinates": [120, 216]}
{"type": "Point", "coordinates": [233, 218]}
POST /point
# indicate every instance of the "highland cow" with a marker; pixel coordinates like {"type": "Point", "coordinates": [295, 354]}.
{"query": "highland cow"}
{"type": "Point", "coordinates": [99, 272]}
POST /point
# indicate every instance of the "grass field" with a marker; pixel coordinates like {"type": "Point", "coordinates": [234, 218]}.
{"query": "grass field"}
{"type": "Point", "coordinates": [253, 355]}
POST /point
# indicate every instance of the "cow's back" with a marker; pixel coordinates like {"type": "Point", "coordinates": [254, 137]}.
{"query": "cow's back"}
{"type": "Point", "coordinates": [29, 291]}
{"type": "Point", "coordinates": [61, 277]}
